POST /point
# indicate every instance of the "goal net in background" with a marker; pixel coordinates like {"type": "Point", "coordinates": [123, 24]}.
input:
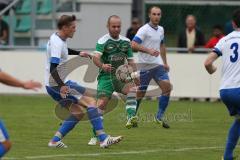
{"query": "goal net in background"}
{"type": "Point", "coordinates": [208, 14]}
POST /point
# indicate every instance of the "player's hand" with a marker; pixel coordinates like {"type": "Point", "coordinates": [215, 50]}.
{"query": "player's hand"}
{"type": "Point", "coordinates": [166, 67]}
{"type": "Point", "coordinates": [107, 67]}
{"type": "Point", "coordinates": [153, 52]}
{"type": "Point", "coordinates": [191, 49]}
{"type": "Point", "coordinates": [211, 69]}
{"type": "Point", "coordinates": [85, 54]}
{"type": "Point", "coordinates": [64, 90]}
{"type": "Point", "coordinates": [32, 85]}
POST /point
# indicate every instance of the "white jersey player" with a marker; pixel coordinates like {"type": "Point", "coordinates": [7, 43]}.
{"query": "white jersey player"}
{"type": "Point", "coordinates": [149, 42]}
{"type": "Point", "coordinates": [229, 48]}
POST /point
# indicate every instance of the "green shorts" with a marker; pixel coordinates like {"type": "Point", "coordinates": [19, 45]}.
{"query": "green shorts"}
{"type": "Point", "coordinates": [107, 85]}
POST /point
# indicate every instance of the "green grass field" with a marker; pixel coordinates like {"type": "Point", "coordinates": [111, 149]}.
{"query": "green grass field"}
{"type": "Point", "coordinates": [198, 131]}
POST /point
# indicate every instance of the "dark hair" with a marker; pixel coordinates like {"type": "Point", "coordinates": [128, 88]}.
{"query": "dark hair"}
{"type": "Point", "coordinates": [150, 9]}
{"type": "Point", "coordinates": [236, 17]}
{"type": "Point", "coordinates": [112, 16]}
{"type": "Point", "coordinates": [65, 20]}
{"type": "Point", "coordinates": [218, 27]}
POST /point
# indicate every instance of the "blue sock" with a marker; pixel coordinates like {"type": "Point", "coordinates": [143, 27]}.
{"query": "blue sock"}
{"type": "Point", "coordinates": [101, 116]}
{"type": "Point", "coordinates": [162, 105]}
{"type": "Point", "coordinates": [66, 127]}
{"type": "Point", "coordinates": [96, 122]}
{"type": "Point", "coordinates": [232, 140]}
{"type": "Point", "coordinates": [2, 150]}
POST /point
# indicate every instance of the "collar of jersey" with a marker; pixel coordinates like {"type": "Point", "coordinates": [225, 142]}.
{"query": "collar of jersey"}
{"type": "Point", "coordinates": [113, 38]}
{"type": "Point", "coordinates": [153, 27]}
{"type": "Point", "coordinates": [60, 37]}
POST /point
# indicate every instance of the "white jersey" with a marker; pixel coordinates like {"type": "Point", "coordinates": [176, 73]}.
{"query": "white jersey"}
{"type": "Point", "coordinates": [229, 48]}
{"type": "Point", "coordinates": [57, 52]}
{"type": "Point", "coordinates": [149, 37]}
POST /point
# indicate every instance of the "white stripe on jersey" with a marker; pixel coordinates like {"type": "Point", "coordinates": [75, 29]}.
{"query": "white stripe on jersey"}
{"type": "Point", "coordinates": [229, 48]}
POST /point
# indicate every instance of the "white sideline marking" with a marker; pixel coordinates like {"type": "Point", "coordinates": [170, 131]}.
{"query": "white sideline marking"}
{"type": "Point", "coordinates": [113, 153]}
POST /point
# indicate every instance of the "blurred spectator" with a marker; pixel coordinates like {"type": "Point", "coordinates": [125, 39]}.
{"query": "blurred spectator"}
{"type": "Point", "coordinates": [228, 27]}
{"type": "Point", "coordinates": [4, 4]}
{"type": "Point", "coordinates": [217, 35]}
{"type": "Point", "coordinates": [136, 24]}
{"type": "Point", "coordinates": [191, 37]}
{"type": "Point", "coordinates": [4, 32]}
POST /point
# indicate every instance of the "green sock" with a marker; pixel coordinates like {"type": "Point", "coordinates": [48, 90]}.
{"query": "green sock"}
{"type": "Point", "coordinates": [130, 112]}
{"type": "Point", "coordinates": [131, 104]}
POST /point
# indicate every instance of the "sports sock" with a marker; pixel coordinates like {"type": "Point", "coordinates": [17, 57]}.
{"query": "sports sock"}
{"type": "Point", "coordinates": [233, 136]}
{"type": "Point", "coordinates": [2, 150]}
{"type": "Point", "coordinates": [162, 105]}
{"type": "Point", "coordinates": [100, 111]}
{"type": "Point", "coordinates": [96, 121]}
{"type": "Point", "coordinates": [66, 127]}
{"type": "Point", "coordinates": [131, 104]}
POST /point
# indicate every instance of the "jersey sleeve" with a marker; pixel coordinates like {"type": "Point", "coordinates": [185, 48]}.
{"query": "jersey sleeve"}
{"type": "Point", "coordinates": [140, 36]}
{"type": "Point", "coordinates": [56, 50]}
{"type": "Point", "coordinates": [99, 48]}
{"type": "Point", "coordinates": [218, 48]}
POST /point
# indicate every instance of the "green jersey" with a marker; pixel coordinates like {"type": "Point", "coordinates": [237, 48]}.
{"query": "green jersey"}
{"type": "Point", "coordinates": [114, 52]}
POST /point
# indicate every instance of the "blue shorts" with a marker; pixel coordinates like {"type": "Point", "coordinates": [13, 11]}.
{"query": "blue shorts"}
{"type": "Point", "coordinates": [3, 133]}
{"type": "Point", "coordinates": [158, 74]}
{"type": "Point", "coordinates": [76, 92]}
{"type": "Point", "coordinates": [231, 98]}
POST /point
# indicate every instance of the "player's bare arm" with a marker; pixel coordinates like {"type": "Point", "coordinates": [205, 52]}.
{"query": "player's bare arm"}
{"type": "Point", "coordinates": [141, 48]}
{"type": "Point", "coordinates": [209, 63]}
{"type": "Point", "coordinates": [99, 64]}
{"type": "Point", "coordinates": [164, 56]}
{"type": "Point", "coordinates": [11, 81]}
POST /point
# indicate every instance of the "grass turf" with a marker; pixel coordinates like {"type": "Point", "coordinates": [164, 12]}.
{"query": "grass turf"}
{"type": "Point", "coordinates": [198, 131]}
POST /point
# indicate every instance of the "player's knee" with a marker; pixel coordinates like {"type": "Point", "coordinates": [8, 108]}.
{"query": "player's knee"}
{"type": "Point", "coordinates": [89, 101]}
{"type": "Point", "coordinates": [101, 105]}
{"type": "Point", "coordinates": [166, 89]}
{"type": "Point", "coordinates": [7, 145]}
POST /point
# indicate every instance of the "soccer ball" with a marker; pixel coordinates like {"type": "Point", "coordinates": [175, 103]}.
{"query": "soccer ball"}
{"type": "Point", "coordinates": [123, 73]}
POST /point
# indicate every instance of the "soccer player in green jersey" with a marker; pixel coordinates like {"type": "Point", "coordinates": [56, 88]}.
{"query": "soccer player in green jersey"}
{"type": "Point", "coordinates": [112, 51]}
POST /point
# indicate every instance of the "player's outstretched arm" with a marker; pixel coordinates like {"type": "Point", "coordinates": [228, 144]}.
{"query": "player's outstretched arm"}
{"type": "Point", "coordinates": [209, 63]}
{"type": "Point", "coordinates": [12, 81]}
{"type": "Point", "coordinates": [79, 53]}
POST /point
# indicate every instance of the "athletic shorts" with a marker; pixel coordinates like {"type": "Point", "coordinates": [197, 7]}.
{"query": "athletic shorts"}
{"type": "Point", "coordinates": [107, 85]}
{"type": "Point", "coordinates": [76, 92]}
{"type": "Point", "coordinates": [158, 74]}
{"type": "Point", "coordinates": [231, 98]}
